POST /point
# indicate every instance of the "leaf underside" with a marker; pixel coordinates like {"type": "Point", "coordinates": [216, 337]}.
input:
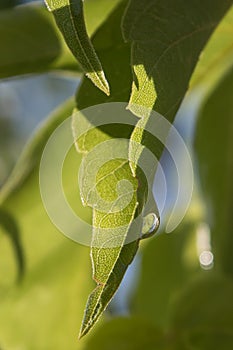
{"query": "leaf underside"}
{"type": "Point", "coordinates": [110, 262]}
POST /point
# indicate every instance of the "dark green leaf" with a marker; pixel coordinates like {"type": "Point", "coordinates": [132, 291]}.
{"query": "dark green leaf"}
{"type": "Point", "coordinates": [7, 3]}
{"type": "Point", "coordinates": [167, 38]}
{"type": "Point", "coordinates": [216, 57]}
{"type": "Point", "coordinates": [10, 227]}
{"type": "Point", "coordinates": [32, 43]}
{"type": "Point", "coordinates": [203, 313]}
{"type": "Point", "coordinates": [128, 334]}
{"type": "Point", "coordinates": [166, 266]}
{"type": "Point", "coordinates": [69, 17]}
{"type": "Point", "coordinates": [214, 144]}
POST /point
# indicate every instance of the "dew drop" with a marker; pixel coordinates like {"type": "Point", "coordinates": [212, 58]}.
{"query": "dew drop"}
{"type": "Point", "coordinates": [150, 225]}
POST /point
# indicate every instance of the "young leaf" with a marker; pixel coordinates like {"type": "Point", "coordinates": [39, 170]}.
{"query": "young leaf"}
{"type": "Point", "coordinates": [70, 20]}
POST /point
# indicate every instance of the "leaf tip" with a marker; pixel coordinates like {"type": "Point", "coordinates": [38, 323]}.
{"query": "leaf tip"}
{"type": "Point", "coordinates": [100, 81]}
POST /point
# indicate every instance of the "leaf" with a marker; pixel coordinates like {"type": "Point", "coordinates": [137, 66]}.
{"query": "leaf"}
{"type": "Point", "coordinates": [50, 298]}
{"type": "Point", "coordinates": [132, 333]}
{"type": "Point", "coordinates": [216, 57]}
{"type": "Point", "coordinates": [7, 3]}
{"type": "Point", "coordinates": [10, 226]}
{"type": "Point", "coordinates": [70, 20]}
{"type": "Point", "coordinates": [29, 158]}
{"type": "Point", "coordinates": [214, 154]}
{"type": "Point", "coordinates": [109, 252]}
{"type": "Point", "coordinates": [41, 47]}
{"type": "Point", "coordinates": [165, 269]}
{"type": "Point", "coordinates": [203, 314]}
{"type": "Point", "coordinates": [114, 54]}
{"type": "Point", "coordinates": [167, 38]}
{"type": "Point", "coordinates": [32, 152]}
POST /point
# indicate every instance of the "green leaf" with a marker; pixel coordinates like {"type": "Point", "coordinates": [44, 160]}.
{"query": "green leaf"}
{"type": "Point", "coordinates": [40, 46]}
{"type": "Point", "coordinates": [167, 38]}
{"type": "Point", "coordinates": [114, 54]}
{"type": "Point", "coordinates": [128, 334]}
{"type": "Point", "coordinates": [27, 162]}
{"type": "Point", "coordinates": [50, 298]}
{"type": "Point", "coordinates": [11, 228]}
{"type": "Point", "coordinates": [70, 20]}
{"type": "Point", "coordinates": [168, 262]}
{"type": "Point", "coordinates": [216, 57]}
{"type": "Point", "coordinates": [202, 314]}
{"type": "Point", "coordinates": [109, 252]}
{"type": "Point", "coordinates": [32, 152]}
{"type": "Point", "coordinates": [7, 3]}
{"type": "Point", "coordinates": [213, 143]}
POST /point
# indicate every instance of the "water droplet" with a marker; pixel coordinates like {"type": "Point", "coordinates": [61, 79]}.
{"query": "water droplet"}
{"type": "Point", "coordinates": [150, 225]}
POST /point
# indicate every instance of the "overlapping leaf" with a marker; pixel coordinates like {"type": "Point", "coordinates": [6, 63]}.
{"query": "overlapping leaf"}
{"type": "Point", "coordinates": [167, 38]}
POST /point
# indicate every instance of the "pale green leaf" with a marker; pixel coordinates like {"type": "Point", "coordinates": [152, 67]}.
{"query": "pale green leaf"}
{"type": "Point", "coordinates": [109, 263]}
{"type": "Point", "coordinates": [69, 17]}
{"type": "Point", "coordinates": [110, 254]}
{"type": "Point", "coordinates": [214, 143]}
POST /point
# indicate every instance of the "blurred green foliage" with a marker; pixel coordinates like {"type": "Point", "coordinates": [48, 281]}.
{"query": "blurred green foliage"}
{"type": "Point", "coordinates": [176, 304]}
